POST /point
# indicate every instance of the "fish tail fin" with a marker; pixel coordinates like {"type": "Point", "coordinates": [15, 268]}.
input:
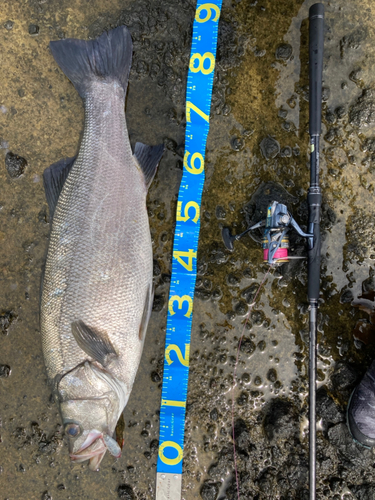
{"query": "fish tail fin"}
{"type": "Point", "coordinates": [105, 58]}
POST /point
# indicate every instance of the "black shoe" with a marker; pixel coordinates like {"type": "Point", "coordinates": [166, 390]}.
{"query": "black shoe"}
{"type": "Point", "coordinates": [361, 410]}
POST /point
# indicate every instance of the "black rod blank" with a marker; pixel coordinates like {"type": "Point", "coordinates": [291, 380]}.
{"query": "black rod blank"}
{"type": "Point", "coordinates": [316, 41]}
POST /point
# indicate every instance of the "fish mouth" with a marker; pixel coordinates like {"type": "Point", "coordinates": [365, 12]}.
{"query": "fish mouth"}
{"type": "Point", "coordinates": [94, 448]}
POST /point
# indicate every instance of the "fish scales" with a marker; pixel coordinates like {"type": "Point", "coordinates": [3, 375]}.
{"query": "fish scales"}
{"type": "Point", "coordinates": [100, 251]}
{"type": "Point", "coordinates": [97, 286]}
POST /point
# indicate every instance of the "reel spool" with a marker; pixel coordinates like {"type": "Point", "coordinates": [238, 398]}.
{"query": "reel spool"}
{"type": "Point", "coordinates": [275, 241]}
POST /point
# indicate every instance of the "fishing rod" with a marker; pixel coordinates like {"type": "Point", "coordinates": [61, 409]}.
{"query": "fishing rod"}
{"type": "Point", "coordinates": [279, 221]}
{"type": "Point", "coordinates": [314, 197]}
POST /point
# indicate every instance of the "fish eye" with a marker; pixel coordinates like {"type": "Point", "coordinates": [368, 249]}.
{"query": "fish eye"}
{"type": "Point", "coordinates": [73, 430]}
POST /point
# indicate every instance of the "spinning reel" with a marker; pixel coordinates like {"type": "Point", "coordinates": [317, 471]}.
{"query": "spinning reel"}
{"type": "Point", "coordinates": [275, 241]}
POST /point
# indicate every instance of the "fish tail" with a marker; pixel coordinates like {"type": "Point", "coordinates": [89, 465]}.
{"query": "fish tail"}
{"type": "Point", "coordinates": [106, 58]}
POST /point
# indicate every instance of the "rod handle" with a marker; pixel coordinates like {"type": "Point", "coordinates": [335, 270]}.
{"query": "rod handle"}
{"type": "Point", "coordinates": [316, 37]}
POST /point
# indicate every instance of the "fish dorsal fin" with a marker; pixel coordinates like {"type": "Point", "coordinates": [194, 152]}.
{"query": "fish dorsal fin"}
{"type": "Point", "coordinates": [54, 178]}
{"type": "Point", "coordinates": [148, 158]}
{"type": "Point", "coordinates": [146, 313]}
{"type": "Point", "coordinates": [96, 345]}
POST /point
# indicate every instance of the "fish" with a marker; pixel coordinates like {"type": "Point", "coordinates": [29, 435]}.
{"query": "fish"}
{"type": "Point", "coordinates": [97, 288]}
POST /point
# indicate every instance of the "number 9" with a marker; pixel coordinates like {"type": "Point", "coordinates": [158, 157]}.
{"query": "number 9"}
{"type": "Point", "coordinates": [208, 7]}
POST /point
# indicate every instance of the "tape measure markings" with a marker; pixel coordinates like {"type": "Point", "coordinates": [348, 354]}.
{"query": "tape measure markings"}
{"type": "Point", "coordinates": [185, 247]}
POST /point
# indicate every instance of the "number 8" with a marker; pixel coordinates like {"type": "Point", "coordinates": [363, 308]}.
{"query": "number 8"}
{"type": "Point", "coordinates": [201, 58]}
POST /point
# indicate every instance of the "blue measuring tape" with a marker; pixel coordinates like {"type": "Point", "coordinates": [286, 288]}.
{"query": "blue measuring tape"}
{"type": "Point", "coordinates": [185, 247]}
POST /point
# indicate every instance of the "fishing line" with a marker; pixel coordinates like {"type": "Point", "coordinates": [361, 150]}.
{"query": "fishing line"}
{"type": "Point", "coordinates": [235, 373]}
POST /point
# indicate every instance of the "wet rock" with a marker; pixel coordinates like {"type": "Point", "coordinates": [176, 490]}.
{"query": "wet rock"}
{"type": "Point", "coordinates": [339, 436]}
{"type": "Point", "coordinates": [272, 375]}
{"type": "Point", "coordinates": [267, 481]}
{"type": "Point", "coordinates": [242, 436]}
{"type": "Point", "coordinates": [158, 304]}
{"type": "Point", "coordinates": [340, 112]}
{"type": "Point", "coordinates": [344, 377]}
{"type": "Point", "coordinates": [243, 399]}
{"type": "Point", "coordinates": [269, 147]}
{"type": "Point", "coordinates": [214, 414]}
{"type": "Point", "coordinates": [227, 46]}
{"type": "Point", "coordinates": [356, 76]}
{"type": "Point", "coordinates": [362, 112]}
{"type": "Point", "coordinates": [284, 51]}
{"type": "Point", "coordinates": [352, 41]}
{"type": "Point", "coordinates": [298, 474]}
{"type": "Point", "coordinates": [249, 293]}
{"type": "Point", "coordinates": [331, 116]}
{"type": "Point", "coordinates": [202, 294]}
{"type": "Point", "coordinates": [154, 445]}
{"type": "Point", "coordinates": [155, 377]}
{"type": "Point", "coordinates": [15, 165]}
{"type": "Point", "coordinates": [209, 491]}
{"type": "Point", "coordinates": [237, 143]}
{"type": "Point", "coordinates": [47, 496]}
{"type": "Point", "coordinates": [363, 491]}
{"type": "Point", "coordinates": [257, 317]}
{"type": "Point", "coordinates": [262, 346]}
{"type": "Point", "coordinates": [232, 279]}
{"type": "Point", "coordinates": [6, 319]}
{"type": "Point", "coordinates": [286, 152]}
{"type": "Point", "coordinates": [326, 92]}
{"type": "Point", "coordinates": [220, 212]}
{"type": "Point", "coordinates": [218, 256]}
{"type": "Point", "coordinates": [368, 286]}
{"type": "Point", "coordinates": [220, 469]}
{"type": "Point", "coordinates": [327, 409]}
{"type": "Point", "coordinates": [241, 309]}
{"type": "Point", "coordinates": [4, 371]}
{"type": "Point", "coordinates": [156, 268]}
{"type": "Point", "coordinates": [33, 29]}
{"type": "Point", "coordinates": [346, 297]}
{"type": "Point", "coordinates": [125, 492]}
{"type": "Point", "coordinates": [247, 346]}
{"type": "Point", "coordinates": [9, 25]}
{"type": "Point", "coordinates": [280, 419]}
{"type": "Point", "coordinates": [296, 151]}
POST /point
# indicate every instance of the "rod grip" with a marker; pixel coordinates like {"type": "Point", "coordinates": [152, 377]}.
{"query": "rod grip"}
{"type": "Point", "coordinates": [316, 38]}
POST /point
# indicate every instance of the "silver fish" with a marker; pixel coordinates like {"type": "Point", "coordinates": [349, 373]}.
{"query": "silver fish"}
{"type": "Point", "coordinates": [97, 288]}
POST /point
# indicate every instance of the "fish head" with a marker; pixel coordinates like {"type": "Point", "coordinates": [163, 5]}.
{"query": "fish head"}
{"type": "Point", "coordinates": [91, 402]}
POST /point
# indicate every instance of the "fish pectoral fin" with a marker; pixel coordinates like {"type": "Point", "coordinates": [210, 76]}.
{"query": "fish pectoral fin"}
{"type": "Point", "coordinates": [146, 312]}
{"type": "Point", "coordinates": [54, 178]}
{"type": "Point", "coordinates": [96, 345]}
{"type": "Point", "coordinates": [148, 158]}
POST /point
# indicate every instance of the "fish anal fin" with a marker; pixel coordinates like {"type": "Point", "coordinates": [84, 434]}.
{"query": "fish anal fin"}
{"type": "Point", "coordinates": [54, 178]}
{"type": "Point", "coordinates": [96, 344]}
{"type": "Point", "coordinates": [146, 313]}
{"type": "Point", "coordinates": [148, 158]}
